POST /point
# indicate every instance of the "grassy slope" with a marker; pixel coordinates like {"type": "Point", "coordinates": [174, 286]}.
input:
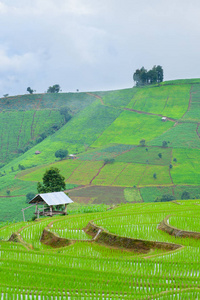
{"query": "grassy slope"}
{"type": "Point", "coordinates": [102, 127]}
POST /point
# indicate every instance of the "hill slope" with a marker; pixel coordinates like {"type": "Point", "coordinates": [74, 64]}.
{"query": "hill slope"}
{"type": "Point", "coordinates": [104, 125]}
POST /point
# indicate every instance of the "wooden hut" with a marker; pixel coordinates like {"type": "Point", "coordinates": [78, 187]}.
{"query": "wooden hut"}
{"type": "Point", "coordinates": [50, 200]}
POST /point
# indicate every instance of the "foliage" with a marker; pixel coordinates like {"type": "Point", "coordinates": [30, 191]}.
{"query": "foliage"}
{"type": "Point", "coordinates": [142, 142]}
{"type": "Point", "coordinates": [164, 144]}
{"type": "Point", "coordinates": [65, 111]}
{"type": "Point", "coordinates": [30, 196]}
{"type": "Point", "coordinates": [53, 89]}
{"type": "Point", "coordinates": [53, 181]}
{"type": "Point", "coordinates": [144, 77]}
{"type": "Point", "coordinates": [30, 90]}
{"type": "Point", "coordinates": [185, 195]}
{"type": "Point", "coordinates": [109, 161]}
{"type": "Point", "coordinates": [61, 153]}
{"type": "Point", "coordinates": [165, 198]}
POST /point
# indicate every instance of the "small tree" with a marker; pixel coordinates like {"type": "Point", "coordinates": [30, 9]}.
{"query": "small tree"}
{"type": "Point", "coordinates": [142, 142]}
{"type": "Point", "coordinates": [53, 181]}
{"type": "Point", "coordinates": [109, 161]}
{"type": "Point", "coordinates": [185, 195]}
{"type": "Point", "coordinates": [66, 113]}
{"type": "Point", "coordinates": [29, 196]}
{"type": "Point", "coordinates": [29, 90]}
{"type": "Point", "coordinates": [164, 144]}
{"type": "Point", "coordinates": [160, 155]}
{"type": "Point", "coordinates": [154, 176]}
{"type": "Point", "coordinates": [166, 198]}
{"type": "Point", "coordinates": [61, 153]}
{"type": "Point", "coordinates": [54, 89]}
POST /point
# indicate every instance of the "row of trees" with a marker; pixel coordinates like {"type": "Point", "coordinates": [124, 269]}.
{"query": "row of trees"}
{"type": "Point", "coordinates": [51, 89]}
{"type": "Point", "coordinates": [144, 77]}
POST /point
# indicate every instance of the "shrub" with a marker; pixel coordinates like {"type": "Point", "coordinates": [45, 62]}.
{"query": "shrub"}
{"type": "Point", "coordinates": [164, 144]}
{"type": "Point", "coordinates": [185, 195]}
{"type": "Point", "coordinates": [109, 161]}
{"type": "Point", "coordinates": [154, 176]}
{"type": "Point", "coordinates": [61, 153]}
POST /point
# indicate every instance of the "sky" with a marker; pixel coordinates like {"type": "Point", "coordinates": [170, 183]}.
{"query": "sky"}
{"type": "Point", "coordinates": [94, 45]}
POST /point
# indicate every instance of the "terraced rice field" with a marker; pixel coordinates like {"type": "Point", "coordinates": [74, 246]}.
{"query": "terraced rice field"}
{"type": "Point", "coordinates": [88, 269]}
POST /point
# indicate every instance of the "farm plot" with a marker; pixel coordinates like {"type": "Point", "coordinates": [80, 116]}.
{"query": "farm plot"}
{"type": "Point", "coordinates": [108, 174]}
{"type": "Point", "coordinates": [107, 152]}
{"type": "Point", "coordinates": [170, 101]}
{"type": "Point", "coordinates": [193, 113]}
{"type": "Point", "coordinates": [183, 135]}
{"type": "Point", "coordinates": [186, 168]}
{"type": "Point", "coordinates": [130, 127]}
{"type": "Point", "coordinates": [156, 175]}
{"type": "Point", "coordinates": [150, 194]}
{"type": "Point", "coordinates": [85, 172]}
{"type": "Point", "coordinates": [66, 167]}
{"type": "Point", "coordinates": [130, 175]}
{"type": "Point", "coordinates": [18, 128]}
{"type": "Point", "coordinates": [99, 194]}
{"type": "Point", "coordinates": [144, 155]}
{"type": "Point", "coordinates": [119, 98]}
{"type": "Point", "coordinates": [74, 101]}
{"type": "Point", "coordinates": [89, 271]}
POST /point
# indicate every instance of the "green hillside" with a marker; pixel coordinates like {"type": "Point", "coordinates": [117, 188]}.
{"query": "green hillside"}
{"type": "Point", "coordinates": [104, 126]}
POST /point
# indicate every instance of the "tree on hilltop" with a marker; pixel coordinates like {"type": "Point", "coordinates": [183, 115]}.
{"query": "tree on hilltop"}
{"type": "Point", "coordinates": [30, 90]}
{"type": "Point", "coordinates": [53, 181]}
{"type": "Point", "coordinates": [144, 77]}
{"type": "Point", "coordinates": [54, 89]}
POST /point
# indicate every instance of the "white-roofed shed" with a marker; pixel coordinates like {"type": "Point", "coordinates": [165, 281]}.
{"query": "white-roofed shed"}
{"type": "Point", "coordinates": [51, 199]}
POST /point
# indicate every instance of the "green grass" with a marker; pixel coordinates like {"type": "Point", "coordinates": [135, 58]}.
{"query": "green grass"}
{"type": "Point", "coordinates": [170, 101]}
{"type": "Point", "coordinates": [182, 135]}
{"type": "Point", "coordinates": [105, 152]}
{"type": "Point", "coordinates": [186, 169]}
{"type": "Point", "coordinates": [118, 98]}
{"type": "Point", "coordinates": [130, 128]}
{"type": "Point", "coordinates": [162, 176]}
{"type": "Point", "coordinates": [145, 155]}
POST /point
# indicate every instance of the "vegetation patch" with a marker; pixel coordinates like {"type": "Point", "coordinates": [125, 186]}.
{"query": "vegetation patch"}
{"type": "Point", "coordinates": [131, 127]}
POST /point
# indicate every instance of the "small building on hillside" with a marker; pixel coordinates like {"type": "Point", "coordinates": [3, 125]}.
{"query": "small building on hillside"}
{"type": "Point", "coordinates": [49, 202]}
{"type": "Point", "coordinates": [37, 152]}
{"type": "Point", "coordinates": [164, 119]}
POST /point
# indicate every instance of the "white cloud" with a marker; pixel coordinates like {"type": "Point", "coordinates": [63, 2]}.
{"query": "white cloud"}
{"type": "Point", "coordinates": [92, 44]}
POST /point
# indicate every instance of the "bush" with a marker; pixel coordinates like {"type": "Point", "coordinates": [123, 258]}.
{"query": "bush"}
{"type": "Point", "coordinates": [185, 195]}
{"type": "Point", "coordinates": [109, 161]}
{"type": "Point", "coordinates": [154, 176]}
{"type": "Point", "coordinates": [164, 144]}
{"type": "Point", "coordinates": [160, 155]}
{"type": "Point", "coordinates": [165, 198]}
{"type": "Point", "coordinates": [29, 196]}
{"type": "Point", "coordinates": [61, 153]}
{"type": "Point", "coordinates": [142, 142]}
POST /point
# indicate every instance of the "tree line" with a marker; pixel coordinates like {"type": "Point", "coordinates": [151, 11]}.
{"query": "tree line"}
{"type": "Point", "coordinates": [145, 77]}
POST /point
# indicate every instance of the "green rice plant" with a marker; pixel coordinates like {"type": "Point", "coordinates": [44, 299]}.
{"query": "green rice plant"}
{"type": "Point", "coordinates": [170, 101]}
{"type": "Point", "coordinates": [130, 128]}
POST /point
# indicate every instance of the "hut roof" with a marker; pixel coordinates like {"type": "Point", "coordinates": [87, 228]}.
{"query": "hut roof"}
{"type": "Point", "coordinates": [55, 198]}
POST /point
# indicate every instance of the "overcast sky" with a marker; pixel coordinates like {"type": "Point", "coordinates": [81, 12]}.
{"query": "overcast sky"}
{"type": "Point", "coordinates": [95, 44]}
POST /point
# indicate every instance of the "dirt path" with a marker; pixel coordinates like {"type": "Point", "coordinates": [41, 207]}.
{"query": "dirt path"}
{"type": "Point", "coordinates": [98, 97]}
{"type": "Point", "coordinates": [189, 104]}
{"type": "Point", "coordinates": [197, 130]}
{"type": "Point", "coordinates": [97, 173]}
